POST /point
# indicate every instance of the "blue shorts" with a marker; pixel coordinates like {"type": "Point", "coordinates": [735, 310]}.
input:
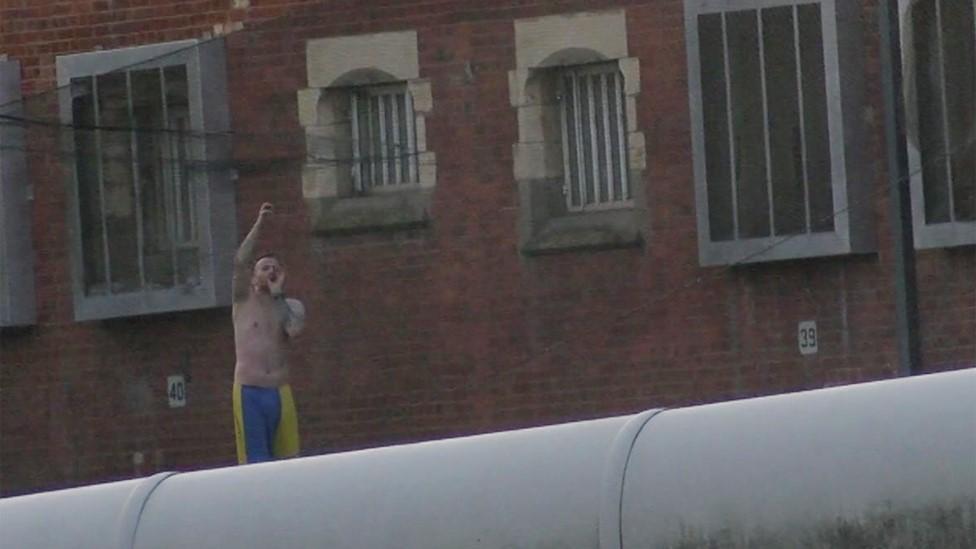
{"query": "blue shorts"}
{"type": "Point", "coordinates": [265, 423]}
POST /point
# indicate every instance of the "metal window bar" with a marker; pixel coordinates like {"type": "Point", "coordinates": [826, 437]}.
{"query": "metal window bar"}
{"type": "Point", "coordinates": [362, 131]}
{"type": "Point", "coordinates": [801, 112]}
{"type": "Point", "coordinates": [376, 141]}
{"type": "Point", "coordinates": [605, 80]}
{"type": "Point", "coordinates": [620, 145]}
{"type": "Point", "coordinates": [357, 168]}
{"type": "Point", "coordinates": [101, 187]}
{"type": "Point", "coordinates": [167, 176]}
{"type": "Point", "coordinates": [569, 188]}
{"type": "Point", "coordinates": [185, 206]}
{"type": "Point", "coordinates": [376, 171]}
{"type": "Point", "coordinates": [947, 156]}
{"type": "Point", "coordinates": [364, 146]}
{"type": "Point", "coordinates": [594, 145]}
{"type": "Point", "coordinates": [587, 138]}
{"type": "Point", "coordinates": [136, 182]}
{"type": "Point", "coordinates": [190, 180]}
{"type": "Point", "coordinates": [577, 144]}
{"type": "Point", "coordinates": [731, 127]}
{"type": "Point", "coordinates": [396, 147]}
{"type": "Point", "coordinates": [175, 165]}
{"type": "Point", "coordinates": [603, 110]}
{"type": "Point", "coordinates": [765, 103]}
{"type": "Point", "coordinates": [382, 152]}
{"type": "Point", "coordinates": [369, 151]}
{"type": "Point", "coordinates": [593, 129]}
{"type": "Point", "coordinates": [410, 153]}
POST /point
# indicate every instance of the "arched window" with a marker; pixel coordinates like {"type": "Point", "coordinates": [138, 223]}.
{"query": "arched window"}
{"type": "Point", "coordinates": [579, 159]}
{"type": "Point", "coordinates": [364, 116]}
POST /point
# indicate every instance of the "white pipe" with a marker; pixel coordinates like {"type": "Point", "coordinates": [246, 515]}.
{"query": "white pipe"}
{"type": "Point", "coordinates": [783, 465]}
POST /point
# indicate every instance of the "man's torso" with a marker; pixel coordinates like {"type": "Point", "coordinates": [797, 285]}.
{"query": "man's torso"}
{"type": "Point", "coordinates": [259, 340]}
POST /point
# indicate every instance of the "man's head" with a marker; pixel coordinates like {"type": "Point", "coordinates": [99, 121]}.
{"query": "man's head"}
{"type": "Point", "coordinates": [267, 272]}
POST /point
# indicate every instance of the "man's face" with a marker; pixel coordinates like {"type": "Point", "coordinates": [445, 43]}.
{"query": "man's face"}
{"type": "Point", "coordinates": [266, 271]}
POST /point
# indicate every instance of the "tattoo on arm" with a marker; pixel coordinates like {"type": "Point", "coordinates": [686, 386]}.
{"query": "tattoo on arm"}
{"type": "Point", "coordinates": [293, 313]}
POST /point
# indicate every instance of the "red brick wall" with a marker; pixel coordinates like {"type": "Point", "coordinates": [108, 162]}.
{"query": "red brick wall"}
{"type": "Point", "coordinates": [444, 330]}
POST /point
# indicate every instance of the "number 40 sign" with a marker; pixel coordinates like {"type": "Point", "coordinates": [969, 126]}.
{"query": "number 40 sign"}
{"type": "Point", "coordinates": [807, 337]}
{"type": "Point", "coordinates": [176, 391]}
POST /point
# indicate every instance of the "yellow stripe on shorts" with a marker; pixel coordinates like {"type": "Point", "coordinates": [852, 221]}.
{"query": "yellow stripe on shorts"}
{"type": "Point", "coordinates": [286, 442]}
{"type": "Point", "coordinates": [239, 426]}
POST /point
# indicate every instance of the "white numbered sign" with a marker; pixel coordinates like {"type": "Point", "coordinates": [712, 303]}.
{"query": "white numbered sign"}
{"type": "Point", "coordinates": [176, 391]}
{"type": "Point", "coordinates": [807, 337]}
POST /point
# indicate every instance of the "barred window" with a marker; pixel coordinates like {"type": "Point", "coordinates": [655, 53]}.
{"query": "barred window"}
{"type": "Point", "coordinates": [777, 167]}
{"type": "Point", "coordinates": [384, 137]}
{"type": "Point", "coordinates": [17, 305]}
{"type": "Point", "coordinates": [942, 78]}
{"type": "Point", "coordinates": [767, 151]}
{"type": "Point", "coordinates": [151, 211]}
{"type": "Point", "coordinates": [136, 193]}
{"type": "Point", "coordinates": [594, 138]}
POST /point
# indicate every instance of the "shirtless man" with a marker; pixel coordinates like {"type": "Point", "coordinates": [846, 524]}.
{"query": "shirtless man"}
{"type": "Point", "coordinates": [265, 422]}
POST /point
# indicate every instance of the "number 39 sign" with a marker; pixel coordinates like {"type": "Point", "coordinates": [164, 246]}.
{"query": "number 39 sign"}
{"type": "Point", "coordinates": [807, 337]}
{"type": "Point", "coordinates": [176, 391]}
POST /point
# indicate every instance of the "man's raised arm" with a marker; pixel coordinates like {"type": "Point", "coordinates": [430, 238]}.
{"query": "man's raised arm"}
{"type": "Point", "coordinates": [244, 258]}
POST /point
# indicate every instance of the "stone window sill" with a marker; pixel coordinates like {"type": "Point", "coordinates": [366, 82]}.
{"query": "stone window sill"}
{"type": "Point", "coordinates": [386, 211]}
{"type": "Point", "coordinates": [606, 229]}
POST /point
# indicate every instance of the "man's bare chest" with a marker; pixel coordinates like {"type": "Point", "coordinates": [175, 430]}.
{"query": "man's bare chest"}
{"type": "Point", "coordinates": [258, 320]}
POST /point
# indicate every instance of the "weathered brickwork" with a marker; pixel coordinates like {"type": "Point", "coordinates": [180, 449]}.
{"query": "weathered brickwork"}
{"type": "Point", "coordinates": [446, 329]}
